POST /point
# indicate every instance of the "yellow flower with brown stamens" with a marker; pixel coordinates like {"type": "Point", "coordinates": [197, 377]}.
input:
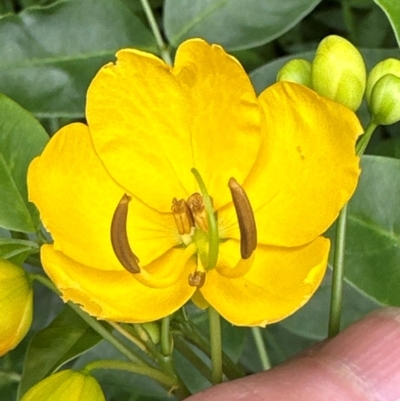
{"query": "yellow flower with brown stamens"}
{"type": "Point", "coordinates": [185, 182]}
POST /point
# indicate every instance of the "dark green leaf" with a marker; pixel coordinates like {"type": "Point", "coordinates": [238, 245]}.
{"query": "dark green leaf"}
{"type": "Point", "coordinates": [21, 139]}
{"type": "Point", "coordinates": [311, 321]}
{"type": "Point", "coordinates": [49, 55]}
{"type": "Point", "coordinates": [392, 10]}
{"type": "Point", "coordinates": [232, 23]}
{"type": "Point", "coordinates": [67, 337]}
{"type": "Point", "coordinates": [372, 260]}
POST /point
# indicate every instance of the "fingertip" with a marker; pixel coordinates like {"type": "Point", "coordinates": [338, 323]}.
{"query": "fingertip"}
{"type": "Point", "coordinates": [361, 363]}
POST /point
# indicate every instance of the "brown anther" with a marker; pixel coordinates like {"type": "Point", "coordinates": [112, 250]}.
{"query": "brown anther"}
{"type": "Point", "coordinates": [197, 279]}
{"type": "Point", "coordinates": [245, 215]}
{"type": "Point", "coordinates": [183, 216]}
{"type": "Point", "coordinates": [119, 237]}
{"type": "Point", "coordinates": [196, 205]}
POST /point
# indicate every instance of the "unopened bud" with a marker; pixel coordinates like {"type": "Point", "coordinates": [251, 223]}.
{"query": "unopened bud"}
{"type": "Point", "coordinates": [338, 72]}
{"type": "Point", "coordinates": [388, 66]}
{"type": "Point", "coordinates": [16, 303]}
{"type": "Point", "coordinates": [385, 100]}
{"type": "Point", "coordinates": [66, 385]}
{"type": "Point", "coordinates": [153, 330]}
{"type": "Point", "coordinates": [297, 70]}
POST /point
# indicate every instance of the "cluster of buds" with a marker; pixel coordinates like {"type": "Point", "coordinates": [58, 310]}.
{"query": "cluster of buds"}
{"type": "Point", "coordinates": [338, 72]}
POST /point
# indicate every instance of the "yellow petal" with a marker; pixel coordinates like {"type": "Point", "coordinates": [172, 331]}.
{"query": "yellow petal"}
{"type": "Point", "coordinates": [279, 282]}
{"type": "Point", "coordinates": [118, 295]}
{"type": "Point", "coordinates": [307, 168]}
{"type": "Point", "coordinates": [151, 123]}
{"type": "Point", "coordinates": [77, 199]}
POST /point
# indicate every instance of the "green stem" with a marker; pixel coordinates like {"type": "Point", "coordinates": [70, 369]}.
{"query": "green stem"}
{"type": "Point", "coordinates": [166, 346]}
{"type": "Point", "coordinates": [183, 347]}
{"type": "Point", "coordinates": [191, 334]}
{"type": "Point", "coordinates": [166, 381]}
{"type": "Point", "coordinates": [340, 242]}
{"type": "Point", "coordinates": [215, 345]}
{"type": "Point", "coordinates": [92, 322]}
{"type": "Point", "coordinates": [338, 275]}
{"type": "Point", "coordinates": [364, 140]}
{"type": "Point", "coordinates": [156, 32]}
{"type": "Point", "coordinates": [261, 348]}
{"type": "Point", "coordinates": [128, 336]}
{"type": "Point", "coordinates": [213, 237]}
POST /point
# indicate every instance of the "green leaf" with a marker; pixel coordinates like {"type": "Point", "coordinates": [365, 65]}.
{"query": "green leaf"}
{"type": "Point", "coordinates": [21, 139]}
{"type": "Point", "coordinates": [388, 147]}
{"type": "Point", "coordinates": [234, 24]}
{"type": "Point", "coordinates": [392, 10]}
{"type": "Point", "coordinates": [67, 337]}
{"type": "Point", "coordinates": [372, 259]}
{"type": "Point", "coordinates": [10, 247]}
{"type": "Point", "coordinates": [311, 321]}
{"type": "Point", "coordinates": [50, 54]}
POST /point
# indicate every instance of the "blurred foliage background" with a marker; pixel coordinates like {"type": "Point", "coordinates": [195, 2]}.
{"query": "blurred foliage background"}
{"type": "Point", "coordinates": [49, 52]}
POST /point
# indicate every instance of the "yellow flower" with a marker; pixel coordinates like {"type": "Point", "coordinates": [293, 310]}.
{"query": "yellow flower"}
{"type": "Point", "coordinates": [16, 304]}
{"type": "Point", "coordinates": [291, 152]}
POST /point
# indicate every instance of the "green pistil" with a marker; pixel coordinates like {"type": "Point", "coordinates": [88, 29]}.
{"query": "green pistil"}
{"type": "Point", "coordinates": [213, 238]}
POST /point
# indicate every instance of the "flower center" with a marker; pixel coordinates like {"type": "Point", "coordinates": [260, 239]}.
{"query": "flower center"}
{"type": "Point", "coordinates": [196, 222]}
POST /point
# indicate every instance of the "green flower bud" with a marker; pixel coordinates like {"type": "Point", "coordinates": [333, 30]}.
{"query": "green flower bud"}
{"type": "Point", "coordinates": [153, 330]}
{"type": "Point", "coordinates": [385, 100]}
{"type": "Point", "coordinates": [297, 70]}
{"type": "Point", "coordinates": [16, 304]}
{"type": "Point", "coordinates": [338, 72]}
{"type": "Point", "coordinates": [66, 385]}
{"type": "Point", "coordinates": [388, 66]}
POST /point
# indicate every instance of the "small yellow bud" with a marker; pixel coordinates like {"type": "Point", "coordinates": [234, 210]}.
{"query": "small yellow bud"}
{"type": "Point", "coordinates": [16, 304]}
{"type": "Point", "coordinates": [388, 66]}
{"type": "Point", "coordinates": [385, 100]}
{"type": "Point", "coordinates": [66, 385]}
{"type": "Point", "coordinates": [297, 70]}
{"type": "Point", "coordinates": [338, 72]}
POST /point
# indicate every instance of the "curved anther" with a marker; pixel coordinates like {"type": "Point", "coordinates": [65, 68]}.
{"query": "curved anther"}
{"type": "Point", "coordinates": [245, 215]}
{"type": "Point", "coordinates": [119, 237]}
{"type": "Point", "coordinates": [197, 279]}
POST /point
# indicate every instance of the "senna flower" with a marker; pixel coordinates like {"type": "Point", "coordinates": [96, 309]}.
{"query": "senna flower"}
{"type": "Point", "coordinates": [135, 234]}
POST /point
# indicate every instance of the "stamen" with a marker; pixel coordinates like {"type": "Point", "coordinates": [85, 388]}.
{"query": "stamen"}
{"type": "Point", "coordinates": [183, 216]}
{"type": "Point", "coordinates": [197, 279]}
{"type": "Point", "coordinates": [196, 205]}
{"type": "Point", "coordinates": [245, 215]}
{"type": "Point", "coordinates": [119, 237]}
{"type": "Point", "coordinates": [213, 236]}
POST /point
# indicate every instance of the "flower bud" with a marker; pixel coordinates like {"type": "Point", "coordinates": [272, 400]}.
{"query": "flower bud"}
{"type": "Point", "coordinates": [338, 72]}
{"type": "Point", "coordinates": [297, 70]}
{"type": "Point", "coordinates": [16, 304]}
{"type": "Point", "coordinates": [388, 66]}
{"type": "Point", "coordinates": [385, 100]}
{"type": "Point", "coordinates": [66, 385]}
{"type": "Point", "coordinates": [153, 330]}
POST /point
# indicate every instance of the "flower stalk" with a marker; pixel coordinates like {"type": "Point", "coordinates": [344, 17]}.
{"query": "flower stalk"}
{"type": "Point", "coordinates": [340, 245]}
{"type": "Point", "coordinates": [215, 345]}
{"type": "Point", "coordinates": [156, 32]}
{"type": "Point", "coordinates": [261, 348]}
